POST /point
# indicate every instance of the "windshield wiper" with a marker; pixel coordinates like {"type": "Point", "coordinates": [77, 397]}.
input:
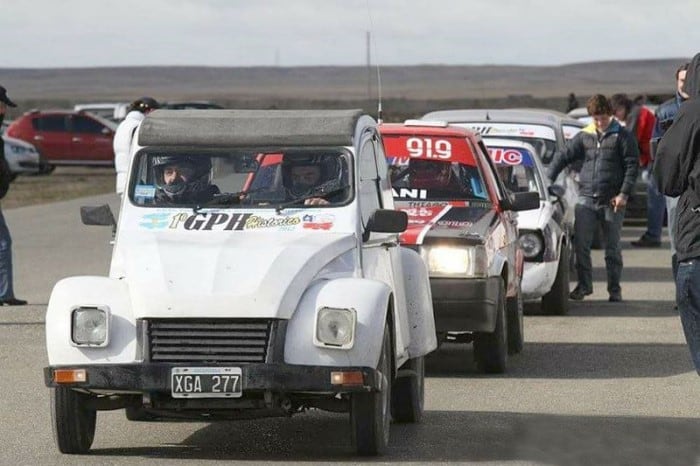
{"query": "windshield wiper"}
{"type": "Point", "coordinates": [224, 199]}
{"type": "Point", "coordinates": [320, 191]}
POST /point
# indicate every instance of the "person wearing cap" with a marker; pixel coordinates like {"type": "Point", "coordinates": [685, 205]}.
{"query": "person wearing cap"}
{"type": "Point", "coordinates": [7, 294]}
{"type": "Point", "coordinates": [124, 136]}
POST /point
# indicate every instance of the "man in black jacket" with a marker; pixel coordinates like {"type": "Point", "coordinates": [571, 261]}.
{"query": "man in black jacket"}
{"type": "Point", "coordinates": [7, 294]}
{"type": "Point", "coordinates": [610, 162]}
{"type": "Point", "coordinates": [677, 171]}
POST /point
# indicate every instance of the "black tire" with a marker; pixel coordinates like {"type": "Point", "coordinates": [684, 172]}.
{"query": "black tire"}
{"type": "Point", "coordinates": [137, 413]}
{"type": "Point", "coordinates": [516, 330]}
{"type": "Point", "coordinates": [73, 423]}
{"type": "Point", "coordinates": [491, 349]}
{"type": "Point", "coordinates": [370, 413]}
{"type": "Point", "coordinates": [408, 393]}
{"type": "Point", "coordinates": [556, 301]}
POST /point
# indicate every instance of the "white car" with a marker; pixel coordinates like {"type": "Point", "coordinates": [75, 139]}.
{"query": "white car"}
{"type": "Point", "coordinates": [253, 290]}
{"type": "Point", "coordinates": [114, 111]}
{"type": "Point", "coordinates": [23, 157]}
{"type": "Point", "coordinates": [544, 236]}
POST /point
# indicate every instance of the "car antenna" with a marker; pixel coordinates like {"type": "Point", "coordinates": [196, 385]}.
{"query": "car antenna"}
{"type": "Point", "coordinates": [488, 117]}
{"type": "Point", "coordinates": [371, 42]}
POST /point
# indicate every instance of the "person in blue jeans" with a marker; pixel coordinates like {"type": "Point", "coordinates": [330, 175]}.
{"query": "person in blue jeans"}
{"type": "Point", "coordinates": [7, 293]}
{"type": "Point", "coordinates": [610, 162]}
{"type": "Point", "coordinates": [677, 172]}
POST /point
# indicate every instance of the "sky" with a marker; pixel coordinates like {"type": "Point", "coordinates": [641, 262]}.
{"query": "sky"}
{"type": "Point", "coordinates": [102, 33]}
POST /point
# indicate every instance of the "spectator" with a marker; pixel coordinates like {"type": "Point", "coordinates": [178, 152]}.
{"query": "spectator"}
{"type": "Point", "coordinates": [124, 136]}
{"type": "Point", "coordinates": [640, 121]}
{"type": "Point", "coordinates": [677, 172]}
{"type": "Point", "coordinates": [665, 115]}
{"type": "Point", "coordinates": [572, 103]}
{"type": "Point", "coordinates": [610, 163]}
{"type": "Point", "coordinates": [7, 294]}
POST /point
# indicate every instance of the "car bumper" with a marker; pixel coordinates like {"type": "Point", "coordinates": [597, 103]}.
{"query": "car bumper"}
{"type": "Point", "coordinates": [156, 377]}
{"type": "Point", "coordinates": [538, 278]}
{"type": "Point", "coordinates": [465, 304]}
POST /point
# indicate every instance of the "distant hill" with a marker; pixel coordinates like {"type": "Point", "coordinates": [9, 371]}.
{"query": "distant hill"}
{"type": "Point", "coordinates": [282, 87]}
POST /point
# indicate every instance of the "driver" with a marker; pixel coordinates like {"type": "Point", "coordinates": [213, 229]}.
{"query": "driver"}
{"type": "Point", "coordinates": [427, 174]}
{"type": "Point", "coordinates": [301, 175]}
{"type": "Point", "coordinates": [182, 179]}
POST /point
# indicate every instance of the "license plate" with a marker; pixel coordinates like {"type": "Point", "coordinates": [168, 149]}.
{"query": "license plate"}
{"type": "Point", "coordinates": [206, 382]}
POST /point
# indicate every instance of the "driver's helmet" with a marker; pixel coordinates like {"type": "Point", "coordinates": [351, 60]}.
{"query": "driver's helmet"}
{"type": "Point", "coordinates": [302, 174]}
{"type": "Point", "coordinates": [144, 104]}
{"type": "Point", "coordinates": [428, 174]}
{"type": "Point", "coordinates": [195, 179]}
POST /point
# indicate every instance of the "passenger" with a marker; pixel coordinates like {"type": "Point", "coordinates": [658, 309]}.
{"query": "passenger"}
{"type": "Point", "coordinates": [183, 179]}
{"type": "Point", "coordinates": [301, 175]}
{"type": "Point", "coordinates": [435, 176]}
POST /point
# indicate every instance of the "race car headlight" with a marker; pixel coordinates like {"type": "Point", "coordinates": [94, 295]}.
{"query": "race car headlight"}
{"type": "Point", "coordinates": [455, 261]}
{"type": "Point", "coordinates": [90, 326]}
{"type": "Point", "coordinates": [531, 243]}
{"type": "Point", "coordinates": [335, 328]}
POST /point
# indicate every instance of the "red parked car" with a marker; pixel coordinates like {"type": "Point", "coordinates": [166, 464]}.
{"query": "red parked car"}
{"type": "Point", "coordinates": [66, 137]}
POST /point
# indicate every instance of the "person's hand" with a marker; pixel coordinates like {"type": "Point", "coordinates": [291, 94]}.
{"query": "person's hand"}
{"type": "Point", "coordinates": [3, 108]}
{"type": "Point", "coordinates": [618, 202]}
{"type": "Point", "coordinates": [316, 201]}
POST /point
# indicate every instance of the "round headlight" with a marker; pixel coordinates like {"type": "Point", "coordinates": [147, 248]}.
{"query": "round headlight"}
{"type": "Point", "coordinates": [531, 243]}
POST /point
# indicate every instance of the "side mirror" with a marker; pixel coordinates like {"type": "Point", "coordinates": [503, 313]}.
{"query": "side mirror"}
{"type": "Point", "coordinates": [525, 201]}
{"type": "Point", "coordinates": [388, 221]}
{"type": "Point", "coordinates": [557, 191]}
{"type": "Point", "coordinates": [100, 215]}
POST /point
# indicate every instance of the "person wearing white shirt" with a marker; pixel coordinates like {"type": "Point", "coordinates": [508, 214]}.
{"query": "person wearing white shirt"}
{"type": "Point", "coordinates": [124, 137]}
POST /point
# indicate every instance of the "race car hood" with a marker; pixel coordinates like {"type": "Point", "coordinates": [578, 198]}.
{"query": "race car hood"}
{"type": "Point", "coordinates": [470, 223]}
{"type": "Point", "coordinates": [533, 219]}
{"type": "Point", "coordinates": [246, 275]}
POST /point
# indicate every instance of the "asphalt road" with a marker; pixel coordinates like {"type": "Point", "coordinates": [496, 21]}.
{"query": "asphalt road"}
{"type": "Point", "coordinates": [607, 384]}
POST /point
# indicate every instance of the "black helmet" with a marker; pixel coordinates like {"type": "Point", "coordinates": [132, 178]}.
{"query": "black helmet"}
{"type": "Point", "coordinates": [330, 170]}
{"type": "Point", "coordinates": [197, 183]}
{"type": "Point", "coordinates": [144, 104]}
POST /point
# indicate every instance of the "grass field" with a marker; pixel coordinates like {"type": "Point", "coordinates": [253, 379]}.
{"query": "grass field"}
{"type": "Point", "coordinates": [63, 184]}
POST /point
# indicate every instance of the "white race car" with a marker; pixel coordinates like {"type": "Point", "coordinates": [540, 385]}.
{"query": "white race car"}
{"type": "Point", "coordinates": [544, 234]}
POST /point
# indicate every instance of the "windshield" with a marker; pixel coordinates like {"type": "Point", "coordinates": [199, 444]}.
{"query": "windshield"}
{"type": "Point", "coordinates": [516, 168]}
{"type": "Point", "coordinates": [545, 148]}
{"type": "Point", "coordinates": [201, 178]}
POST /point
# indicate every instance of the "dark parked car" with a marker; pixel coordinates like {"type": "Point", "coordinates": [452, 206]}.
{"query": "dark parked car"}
{"type": "Point", "coordinates": [66, 137]}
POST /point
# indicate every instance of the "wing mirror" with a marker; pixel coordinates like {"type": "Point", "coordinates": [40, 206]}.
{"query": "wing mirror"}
{"type": "Point", "coordinates": [557, 191]}
{"type": "Point", "coordinates": [524, 201]}
{"type": "Point", "coordinates": [100, 215]}
{"type": "Point", "coordinates": [386, 221]}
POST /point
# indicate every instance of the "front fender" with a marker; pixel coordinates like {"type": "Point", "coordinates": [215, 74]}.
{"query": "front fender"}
{"type": "Point", "coordinates": [419, 304]}
{"type": "Point", "coordinates": [72, 292]}
{"type": "Point", "coordinates": [369, 298]}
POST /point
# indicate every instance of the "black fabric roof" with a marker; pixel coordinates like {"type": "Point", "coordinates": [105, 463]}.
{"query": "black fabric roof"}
{"type": "Point", "coordinates": [239, 128]}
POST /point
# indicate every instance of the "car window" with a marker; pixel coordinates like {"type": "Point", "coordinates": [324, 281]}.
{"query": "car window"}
{"type": "Point", "coordinates": [246, 177]}
{"type": "Point", "coordinates": [55, 123]}
{"type": "Point", "coordinates": [83, 124]}
{"type": "Point", "coordinates": [516, 169]}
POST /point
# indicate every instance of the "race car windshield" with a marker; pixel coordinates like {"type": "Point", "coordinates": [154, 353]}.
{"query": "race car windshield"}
{"type": "Point", "coordinates": [436, 180]}
{"type": "Point", "coordinates": [545, 148]}
{"type": "Point", "coordinates": [250, 178]}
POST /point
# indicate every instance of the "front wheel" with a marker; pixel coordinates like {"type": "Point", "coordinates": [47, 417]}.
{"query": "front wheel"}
{"type": "Point", "coordinates": [370, 412]}
{"type": "Point", "coordinates": [491, 349]}
{"type": "Point", "coordinates": [408, 392]}
{"type": "Point", "coordinates": [73, 423]}
{"type": "Point", "coordinates": [516, 324]}
{"type": "Point", "coordinates": [556, 301]}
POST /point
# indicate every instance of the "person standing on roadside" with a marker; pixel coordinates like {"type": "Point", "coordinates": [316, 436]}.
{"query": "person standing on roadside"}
{"type": "Point", "coordinates": [677, 172]}
{"type": "Point", "coordinates": [640, 121]}
{"type": "Point", "coordinates": [7, 293]}
{"type": "Point", "coordinates": [124, 135]}
{"type": "Point", "coordinates": [610, 162]}
{"type": "Point", "coordinates": [665, 115]}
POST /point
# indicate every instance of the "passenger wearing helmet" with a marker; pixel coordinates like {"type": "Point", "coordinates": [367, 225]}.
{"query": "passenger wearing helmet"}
{"type": "Point", "coordinates": [124, 136]}
{"type": "Point", "coordinates": [428, 174]}
{"type": "Point", "coordinates": [302, 175]}
{"type": "Point", "coordinates": [183, 179]}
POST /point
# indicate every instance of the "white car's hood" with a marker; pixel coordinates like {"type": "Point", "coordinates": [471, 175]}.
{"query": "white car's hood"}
{"type": "Point", "coordinates": [534, 219]}
{"type": "Point", "coordinates": [243, 275]}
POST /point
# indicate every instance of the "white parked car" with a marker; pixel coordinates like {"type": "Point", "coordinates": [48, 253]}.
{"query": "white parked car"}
{"type": "Point", "coordinates": [114, 111]}
{"type": "Point", "coordinates": [23, 157]}
{"type": "Point", "coordinates": [545, 236]}
{"type": "Point", "coordinates": [248, 289]}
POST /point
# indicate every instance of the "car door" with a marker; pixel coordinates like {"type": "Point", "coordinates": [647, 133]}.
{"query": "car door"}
{"type": "Point", "coordinates": [51, 136]}
{"type": "Point", "coordinates": [91, 140]}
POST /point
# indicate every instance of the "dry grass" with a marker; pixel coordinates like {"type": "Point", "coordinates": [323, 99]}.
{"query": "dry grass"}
{"type": "Point", "coordinates": [63, 184]}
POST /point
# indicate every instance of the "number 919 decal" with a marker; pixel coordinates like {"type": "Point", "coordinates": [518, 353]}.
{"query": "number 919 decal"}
{"type": "Point", "coordinates": [429, 148]}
